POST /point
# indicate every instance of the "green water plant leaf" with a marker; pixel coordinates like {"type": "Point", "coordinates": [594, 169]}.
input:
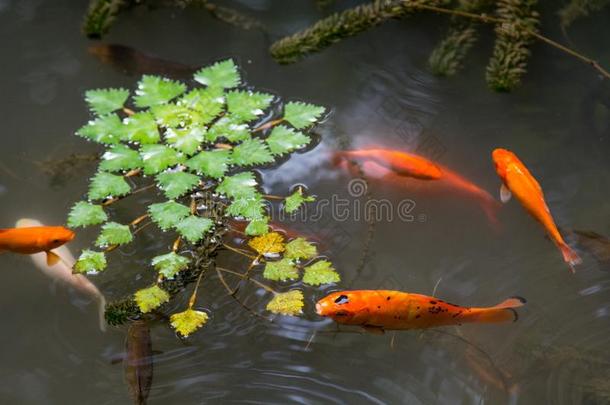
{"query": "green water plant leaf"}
{"type": "Point", "coordinates": [90, 262]}
{"type": "Point", "coordinates": [107, 129]}
{"type": "Point", "coordinates": [321, 272]}
{"type": "Point", "coordinates": [300, 248]}
{"type": "Point", "coordinates": [173, 115]}
{"type": "Point", "coordinates": [222, 74]}
{"type": "Point", "coordinates": [156, 158]}
{"type": "Point", "coordinates": [251, 152]}
{"type": "Point", "coordinates": [104, 101]}
{"type": "Point", "coordinates": [212, 163]}
{"type": "Point", "coordinates": [250, 207]}
{"type": "Point", "coordinates": [142, 128]}
{"type": "Point", "coordinates": [259, 226]}
{"type": "Point", "coordinates": [269, 244]}
{"type": "Point", "coordinates": [120, 157]}
{"type": "Point", "coordinates": [295, 200]}
{"type": "Point", "coordinates": [301, 115]}
{"type": "Point", "coordinates": [188, 321]}
{"type": "Point", "coordinates": [245, 105]}
{"type": "Point", "coordinates": [185, 140]}
{"type": "Point", "coordinates": [150, 298]}
{"type": "Point", "coordinates": [168, 214]}
{"type": "Point", "coordinates": [176, 184]}
{"type": "Point", "coordinates": [209, 103]}
{"type": "Point", "coordinates": [85, 214]}
{"type": "Point", "coordinates": [170, 264]}
{"type": "Point", "coordinates": [114, 234]}
{"type": "Point", "coordinates": [288, 303]}
{"type": "Point", "coordinates": [154, 90]}
{"type": "Point", "coordinates": [281, 270]}
{"type": "Point", "coordinates": [229, 128]}
{"type": "Point", "coordinates": [192, 228]}
{"type": "Point", "coordinates": [284, 140]}
{"type": "Point", "coordinates": [104, 185]}
{"type": "Point", "coordinates": [240, 185]}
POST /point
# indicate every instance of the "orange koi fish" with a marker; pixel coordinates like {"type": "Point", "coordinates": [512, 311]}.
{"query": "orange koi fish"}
{"type": "Point", "coordinates": [379, 310]}
{"type": "Point", "coordinates": [35, 239]}
{"type": "Point", "coordinates": [517, 180]}
{"type": "Point", "coordinates": [407, 170]}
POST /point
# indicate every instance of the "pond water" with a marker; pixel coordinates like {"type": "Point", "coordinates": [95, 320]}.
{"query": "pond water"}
{"type": "Point", "coordinates": [380, 93]}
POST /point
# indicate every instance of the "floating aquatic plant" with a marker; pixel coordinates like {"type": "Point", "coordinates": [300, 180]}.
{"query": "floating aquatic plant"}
{"type": "Point", "coordinates": [199, 149]}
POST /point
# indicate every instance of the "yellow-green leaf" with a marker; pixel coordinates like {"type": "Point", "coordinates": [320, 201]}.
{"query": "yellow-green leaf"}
{"type": "Point", "coordinates": [150, 298]}
{"type": "Point", "coordinates": [300, 248]}
{"type": "Point", "coordinates": [268, 244]}
{"type": "Point", "coordinates": [288, 303]}
{"type": "Point", "coordinates": [188, 321]}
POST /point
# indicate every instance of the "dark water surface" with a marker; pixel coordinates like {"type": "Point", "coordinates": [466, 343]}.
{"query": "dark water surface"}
{"type": "Point", "coordinates": [380, 93]}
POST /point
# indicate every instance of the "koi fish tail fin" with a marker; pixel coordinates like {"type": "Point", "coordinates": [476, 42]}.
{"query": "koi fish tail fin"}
{"type": "Point", "coordinates": [101, 310]}
{"type": "Point", "coordinates": [570, 256]}
{"type": "Point", "coordinates": [503, 312]}
{"type": "Point", "coordinates": [491, 208]}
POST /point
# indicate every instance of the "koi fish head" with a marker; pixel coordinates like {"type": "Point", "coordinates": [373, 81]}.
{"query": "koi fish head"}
{"type": "Point", "coordinates": [56, 236]}
{"type": "Point", "coordinates": [347, 307]}
{"type": "Point", "coordinates": [502, 158]}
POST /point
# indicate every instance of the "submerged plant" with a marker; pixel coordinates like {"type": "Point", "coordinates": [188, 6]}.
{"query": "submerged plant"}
{"type": "Point", "coordinates": [198, 147]}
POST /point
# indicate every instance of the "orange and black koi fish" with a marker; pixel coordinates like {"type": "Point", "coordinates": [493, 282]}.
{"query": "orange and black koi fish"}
{"type": "Point", "coordinates": [517, 180]}
{"type": "Point", "coordinates": [135, 63]}
{"type": "Point", "coordinates": [408, 170]}
{"type": "Point", "coordinates": [379, 310]}
{"type": "Point", "coordinates": [35, 239]}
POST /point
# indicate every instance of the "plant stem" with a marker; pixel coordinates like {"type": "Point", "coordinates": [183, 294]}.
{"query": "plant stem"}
{"type": "Point", "coordinates": [113, 200]}
{"type": "Point", "coordinates": [268, 124]}
{"type": "Point", "coordinates": [245, 277]}
{"type": "Point", "coordinates": [194, 295]}
{"type": "Point", "coordinates": [138, 220]}
{"type": "Point", "coordinates": [236, 250]}
{"type": "Point", "coordinates": [494, 20]}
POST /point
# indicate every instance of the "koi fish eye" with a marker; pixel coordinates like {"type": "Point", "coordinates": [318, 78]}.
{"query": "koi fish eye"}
{"type": "Point", "coordinates": [342, 299]}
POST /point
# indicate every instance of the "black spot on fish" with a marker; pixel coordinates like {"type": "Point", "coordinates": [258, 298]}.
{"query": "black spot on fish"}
{"type": "Point", "coordinates": [433, 302]}
{"type": "Point", "coordinates": [387, 299]}
{"type": "Point", "coordinates": [417, 316]}
{"type": "Point", "coordinates": [378, 306]}
{"type": "Point", "coordinates": [340, 313]}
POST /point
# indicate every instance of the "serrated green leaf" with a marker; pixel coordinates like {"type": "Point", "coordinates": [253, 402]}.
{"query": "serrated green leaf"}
{"type": "Point", "coordinates": [301, 115]}
{"type": "Point", "coordinates": [114, 234]}
{"type": "Point", "coordinates": [251, 152]}
{"type": "Point", "coordinates": [174, 116]}
{"type": "Point", "coordinates": [240, 185]}
{"type": "Point", "coordinates": [107, 129]}
{"type": "Point", "coordinates": [320, 272]}
{"type": "Point", "coordinates": [175, 184]}
{"type": "Point", "coordinates": [142, 128]}
{"type": "Point", "coordinates": [156, 158]}
{"type": "Point", "coordinates": [90, 262]}
{"type": "Point", "coordinates": [120, 157]}
{"type": "Point", "coordinates": [250, 207]}
{"type": "Point", "coordinates": [188, 321]}
{"type": "Point", "coordinates": [150, 298]}
{"type": "Point", "coordinates": [284, 140]}
{"type": "Point", "coordinates": [170, 264]}
{"type": "Point", "coordinates": [186, 140]}
{"type": "Point", "coordinates": [154, 90]}
{"type": "Point", "coordinates": [258, 226]}
{"type": "Point", "coordinates": [281, 270]}
{"type": "Point", "coordinates": [245, 106]}
{"type": "Point", "coordinates": [270, 244]}
{"type": "Point", "coordinates": [213, 163]}
{"type": "Point", "coordinates": [300, 248]}
{"type": "Point", "coordinates": [222, 74]}
{"type": "Point", "coordinates": [229, 128]}
{"type": "Point", "coordinates": [192, 228]}
{"type": "Point", "coordinates": [104, 185]}
{"type": "Point", "coordinates": [288, 303]}
{"type": "Point", "coordinates": [168, 214]}
{"type": "Point", "coordinates": [295, 200]}
{"type": "Point", "coordinates": [104, 101]}
{"type": "Point", "coordinates": [85, 214]}
{"type": "Point", "coordinates": [209, 103]}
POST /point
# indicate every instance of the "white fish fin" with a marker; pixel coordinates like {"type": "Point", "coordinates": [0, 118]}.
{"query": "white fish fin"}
{"type": "Point", "coordinates": [505, 194]}
{"type": "Point", "coordinates": [52, 258]}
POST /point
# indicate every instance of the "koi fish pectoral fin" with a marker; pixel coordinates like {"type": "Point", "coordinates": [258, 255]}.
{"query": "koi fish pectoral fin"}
{"type": "Point", "coordinates": [52, 258]}
{"type": "Point", "coordinates": [505, 194]}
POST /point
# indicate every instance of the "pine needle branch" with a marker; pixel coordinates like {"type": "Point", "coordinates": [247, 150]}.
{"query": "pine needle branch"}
{"type": "Point", "coordinates": [100, 16]}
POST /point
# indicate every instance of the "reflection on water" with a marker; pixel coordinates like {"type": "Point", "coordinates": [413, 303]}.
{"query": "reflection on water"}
{"type": "Point", "coordinates": [380, 94]}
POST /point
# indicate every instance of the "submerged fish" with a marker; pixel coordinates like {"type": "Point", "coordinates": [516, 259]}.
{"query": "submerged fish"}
{"type": "Point", "coordinates": [379, 310]}
{"type": "Point", "coordinates": [62, 271]}
{"type": "Point", "coordinates": [407, 170]}
{"type": "Point", "coordinates": [133, 62]}
{"type": "Point", "coordinates": [517, 180]}
{"type": "Point", "coordinates": [35, 239]}
{"type": "Point", "coordinates": [138, 361]}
